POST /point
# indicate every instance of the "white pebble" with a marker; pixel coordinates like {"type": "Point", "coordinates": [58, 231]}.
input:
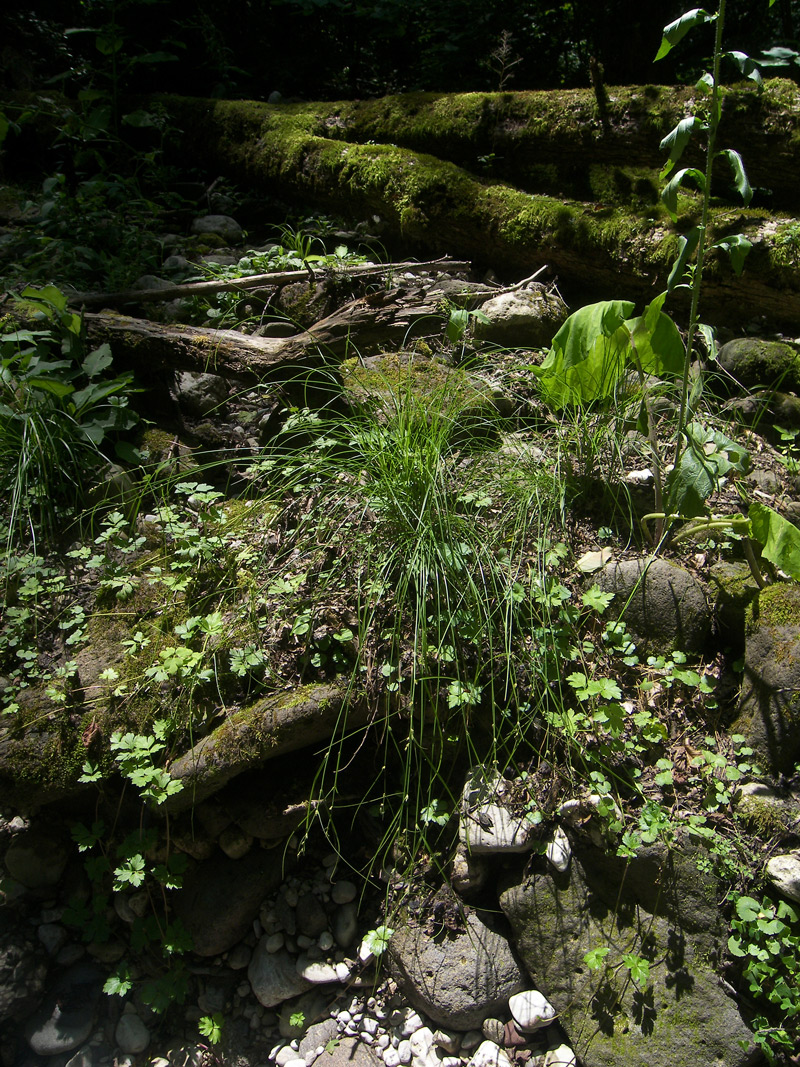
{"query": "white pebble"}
{"type": "Point", "coordinates": [531, 1010]}
{"type": "Point", "coordinates": [383, 1041]}
{"type": "Point", "coordinates": [369, 1025]}
{"type": "Point", "coordinates": [390, 1057]}
{"type": "Point", "coordinates": [325, 941]}
{"type": "Point", "coordinates": [404, 1052]}
{"type": "Point", "coordinates": [284, 1055]}
{"type": "Point", "coordinates": [411, 1023]}
{"type": "Point", "coordinates": [559, 850]}
{"type": "Point", "coordinates": [561, 1056]}
{"type": "Point", "coordinates": [488, 1054]}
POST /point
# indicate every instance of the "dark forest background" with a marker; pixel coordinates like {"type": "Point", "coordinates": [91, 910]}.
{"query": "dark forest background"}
{"type": "Point", "coordinates": [328, 49]}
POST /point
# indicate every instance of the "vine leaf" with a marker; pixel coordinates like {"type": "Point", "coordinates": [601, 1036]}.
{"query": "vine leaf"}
{"type": "Point", "coordinates": [687, 243]}
{"type": "Point", "coordinates": [739, 176]}
{"type": "Point", "coordinates": [677, 30]}
{"type": "Point", "coordinates": [677, 140]}
{"type": "Point", "coordinates": [669, 194]}
{"type": "Point", "coordinates": [779, 537]}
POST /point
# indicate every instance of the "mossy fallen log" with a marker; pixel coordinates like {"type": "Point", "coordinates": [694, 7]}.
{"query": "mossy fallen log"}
{"type": "Point", "coordinates": [435, 206]}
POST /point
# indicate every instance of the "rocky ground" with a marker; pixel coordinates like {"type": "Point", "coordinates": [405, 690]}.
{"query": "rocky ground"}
{"type": "Point", "coordinates": [469, 946]}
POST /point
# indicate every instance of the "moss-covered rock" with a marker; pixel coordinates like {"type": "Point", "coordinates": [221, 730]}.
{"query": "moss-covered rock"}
{"type": "Point", "coordinates": [769, 701]}
{"type": "Point", "coordinates": [658, 906]}
{"type": "Point", "coordinates": [662, 603]}
{"type": "Point", "coordinates": [732, 587]}
{"type": "Point", "coordinates": [755, 363]}
{"type": "Point", "coordinates": [279, 723]}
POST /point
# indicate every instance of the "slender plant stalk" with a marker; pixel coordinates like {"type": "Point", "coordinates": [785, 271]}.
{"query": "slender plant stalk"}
{"type": "Point", "coordinates": [697, 281]}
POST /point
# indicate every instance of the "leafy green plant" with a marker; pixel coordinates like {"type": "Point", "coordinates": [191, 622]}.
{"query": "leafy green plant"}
{"type": "Point", "coordinates": [125, 867]}
{"type": "Point", "coordinates": [293, 253]}
{"type": "Point", "coordinates": [789, 453]}
{"type": "Point", "coordinates": [210, 1027]}
{"type": "Point", "coordinates": [58, 407]}
{"type": "Point", "coordinates": [766, 939]}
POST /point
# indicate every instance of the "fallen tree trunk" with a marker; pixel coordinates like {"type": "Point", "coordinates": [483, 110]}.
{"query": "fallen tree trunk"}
{"type": "Point", "coordinates": [436, 206]}
{"type": "Point", "coordinates": [256, 281]}
{"type": "Point", "coordinates": [558, 142]}
{"type": "Point", "coordinates": [363, 325]}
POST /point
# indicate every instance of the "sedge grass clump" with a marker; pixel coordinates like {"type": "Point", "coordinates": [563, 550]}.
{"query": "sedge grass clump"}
{"type": "Point", "coordinates": [58, 409]}
{"type": "Point", "coordinates": [421, 543]}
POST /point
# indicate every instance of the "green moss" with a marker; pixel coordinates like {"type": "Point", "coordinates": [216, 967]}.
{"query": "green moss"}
{"type": "Point", "coordinates": [777, 607]}
{"type": "Point", "coordinates": [763, 817]}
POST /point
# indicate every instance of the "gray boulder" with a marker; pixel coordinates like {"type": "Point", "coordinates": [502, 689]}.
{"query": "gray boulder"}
{"type": "Point", "coordinates": [662, 604]}
{"type": "Point", "coordinates": [754, 362]}
{"type": "Point", "coordinates": [221, 897]}
{"type": "Point", "coordinates": [769, 700]}
{"type": "Point", "coordinates": [222, 225]}
{"type": "Point", "coordinates": [66, 1018]}
{"type": "Point", "coordinates": [273, 975]}
{"type": "Point", "coordinates": [200, 394]}
{"type": "Point", "coordinates": [526, 318]}
{"type": "Point", "coordinates": [457, 979]}
{"type": "Point", "coordinates": [658, 906]}
{"type": "Point", "coordinates": [23, 969]}
{"type": "Point", "coordinates": [37, 858]}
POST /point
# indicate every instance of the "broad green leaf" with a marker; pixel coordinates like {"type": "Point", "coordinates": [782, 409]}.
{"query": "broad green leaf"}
{"type": "Point", "coordinates": [748, 909]}
{"type": "Point", "coordinates": [657, 340]}
{"type": "Point", "coordinates": [779, 538]}
{"type": "Point", "coordinates": [93, 393]}
{"type": "Point", "coordinates": [51, 385]}
{"type": "Point", "coordinates": [49, 294]}
{"type": "Point", "coordinates": [747, 66]}
{"type": "Point", "coordinates": [710, 337]}
{"type": "Point", "coordinates": [97, 361]}
{"type": "Point", "coordinates": [669, 194]}
{"type": "Point", "coordinates": [20, 336]}
{"type": "Point", "coordinates": [99, 120]}
{"type": "Point", "coordinates": [677, 30]}
{"type": "Point", "coordinates": [156, 57]}
{"type": "Point", "coordinates": [139, 119]}
{"type": "Point", "coordinates": [108, 44]}
{"type": "Point", "coordinates": [737, 246]}
{"type": "Point", "coordinates": [687, 243]}
{"type": "Point", "coordinates": [588, 355]}
{"type": "Point", "coordinates": [457, 324]}
{"type": "Point", "coordinates": [677, 140]}
{"type": "Point", "coordinates": [707, 456]}
{"type": "Point", "coordinates": [739, 174]}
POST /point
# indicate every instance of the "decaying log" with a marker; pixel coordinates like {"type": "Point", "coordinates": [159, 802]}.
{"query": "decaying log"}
{"type": "Point", "coordinates": [361, 326]}
{"type": "Point", "coordinates": [258, 281]}
{"type": "Point", "coordinates": [600, 247]}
